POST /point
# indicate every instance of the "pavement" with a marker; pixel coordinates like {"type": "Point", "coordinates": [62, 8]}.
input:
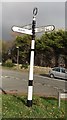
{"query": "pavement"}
{"type": "Point", "coordinates": [12, 81]}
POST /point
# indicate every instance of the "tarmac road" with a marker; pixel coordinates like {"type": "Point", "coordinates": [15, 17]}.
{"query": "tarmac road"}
{"type": "Point", "coordinates": [15, 81]}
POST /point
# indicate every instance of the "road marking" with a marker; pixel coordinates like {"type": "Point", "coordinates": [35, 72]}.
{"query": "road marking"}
{"type": "Point", "coordinates": [50, 78]}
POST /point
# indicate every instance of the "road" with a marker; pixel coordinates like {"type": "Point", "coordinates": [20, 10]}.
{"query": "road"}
{"type": "Point", "coordinates": [15, 81]}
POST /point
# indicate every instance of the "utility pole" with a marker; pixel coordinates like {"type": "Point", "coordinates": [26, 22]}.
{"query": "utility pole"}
{"type": "Point", "coordinates": [30, 84]}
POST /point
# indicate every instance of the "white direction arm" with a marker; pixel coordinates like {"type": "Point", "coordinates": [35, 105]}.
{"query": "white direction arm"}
{"type": "Point", "coordinates": [48, 28]}
{"type": "Point", "coordinates": [21, 30]}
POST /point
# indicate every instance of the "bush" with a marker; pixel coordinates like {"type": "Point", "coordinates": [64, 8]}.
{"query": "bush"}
{"type": "Point", "coordinates": [8, 63]}
{"type": "Point", "coordinates": [24, 66]}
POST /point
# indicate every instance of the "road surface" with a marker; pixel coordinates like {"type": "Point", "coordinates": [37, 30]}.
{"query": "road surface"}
{"type": "Point", "coordinates": [15, 81]}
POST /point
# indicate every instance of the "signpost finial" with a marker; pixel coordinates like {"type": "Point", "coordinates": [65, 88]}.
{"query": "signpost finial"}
{"type": "Point", "coordinates": [35, 11]}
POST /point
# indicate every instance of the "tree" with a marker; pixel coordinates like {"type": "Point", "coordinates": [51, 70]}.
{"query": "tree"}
{"type": "Point", "coordinates": [52, 45]}
{"type": "Point", "coordinates": [23, 42]}
{"type": "Point", "coordinates": [48, 49]}
{"type": "Point", "coordinates": [6, 48]}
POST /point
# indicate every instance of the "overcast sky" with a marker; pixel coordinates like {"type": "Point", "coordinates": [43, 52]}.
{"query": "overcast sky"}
{"type": "Point", "coordinates": [20, 14]}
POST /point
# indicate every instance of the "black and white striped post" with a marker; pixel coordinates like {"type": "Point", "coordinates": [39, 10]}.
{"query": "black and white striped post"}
{"type": "Point", "coordinates": [30, 84]}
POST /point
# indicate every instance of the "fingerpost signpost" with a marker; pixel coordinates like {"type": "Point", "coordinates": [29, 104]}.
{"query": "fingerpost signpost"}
{"type": "Point", "coordinates": [26, 30]}
{"type": "Point", "coordinates": [30, 84]}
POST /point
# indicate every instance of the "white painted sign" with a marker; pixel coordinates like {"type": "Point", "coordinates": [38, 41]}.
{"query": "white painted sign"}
{"type": "Point", "coordinates": [29, 26]}
{"type": "Point", "coordinates": [63, 95]}
{"type": "Point", "coordinates": [27, 30]}
{"type": "Point", "coordinates": [21, 30]}
{"type": "Point", "coordinates": [45, 28]}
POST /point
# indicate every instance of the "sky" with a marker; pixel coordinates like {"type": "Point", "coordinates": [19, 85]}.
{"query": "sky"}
{"type": "Point", "coordinates": [20, 14]}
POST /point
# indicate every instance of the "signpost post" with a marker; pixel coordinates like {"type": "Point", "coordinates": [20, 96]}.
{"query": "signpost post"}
{"type": "Point", "coordinates": [30, 84]}
{"type": "Point", "coordinates": [27, 30]}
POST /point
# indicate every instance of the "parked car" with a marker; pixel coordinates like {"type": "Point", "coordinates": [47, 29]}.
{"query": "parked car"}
{"type": "Point", "coordinates": [58, 72]}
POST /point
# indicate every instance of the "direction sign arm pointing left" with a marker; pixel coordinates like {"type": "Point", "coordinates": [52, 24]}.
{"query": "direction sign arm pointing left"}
{"type": "Point", "coordinates": [21, 30]}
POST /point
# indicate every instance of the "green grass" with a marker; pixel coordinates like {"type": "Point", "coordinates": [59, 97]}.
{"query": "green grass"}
{"type": "Point", "coordinates": [14, 106]}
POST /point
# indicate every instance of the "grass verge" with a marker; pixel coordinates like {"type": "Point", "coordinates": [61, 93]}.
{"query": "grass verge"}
{"type": "Point", "coordinates": [14, 106]}
{"type": "Point", "coordinates": [37, 69]}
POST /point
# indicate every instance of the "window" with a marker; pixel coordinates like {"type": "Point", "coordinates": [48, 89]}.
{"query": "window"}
{"type": "Point", "coordinates": [57, 69]}
{"type": "Point", "coordinates": [63, 70]}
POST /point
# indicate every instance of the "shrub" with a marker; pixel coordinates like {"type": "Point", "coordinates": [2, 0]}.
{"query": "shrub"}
{"type": "Point", "coordinates": [8, 63]}
{"type": "Point", "coordinates": [24, 66]}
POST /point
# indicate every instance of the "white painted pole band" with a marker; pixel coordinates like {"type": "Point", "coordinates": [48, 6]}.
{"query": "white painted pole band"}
{"type": "Point", "coordinates": [31, 60]}
{"type": "Point", "coordinates": [33, 44]}
{"type": "Point", "coordinates": [31, 66]}
{"type": "Point", "coordinates": [30, 91]}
